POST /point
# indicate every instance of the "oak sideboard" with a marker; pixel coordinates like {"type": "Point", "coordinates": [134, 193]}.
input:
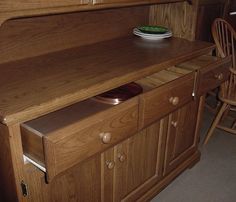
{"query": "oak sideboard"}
{"type": "Point", "coordinates": [56, 142]}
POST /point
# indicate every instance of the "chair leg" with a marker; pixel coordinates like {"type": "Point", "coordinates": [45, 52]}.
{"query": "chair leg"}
{"type": "Point", "coordinates": [215, 123]}
{"type": "Point", "coordinates": [225, 113]}
{"type": "Point", "coordinates": [234, 125]}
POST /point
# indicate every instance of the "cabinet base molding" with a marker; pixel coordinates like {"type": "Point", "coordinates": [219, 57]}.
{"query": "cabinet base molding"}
{"type": "Point", "coordinates": [189, 163]}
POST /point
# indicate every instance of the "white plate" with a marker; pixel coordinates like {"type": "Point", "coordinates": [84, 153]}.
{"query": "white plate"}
{"type": "Point", "coordinates": [138, 32]}
{"type": "Point", "coordinates": [151, 36]}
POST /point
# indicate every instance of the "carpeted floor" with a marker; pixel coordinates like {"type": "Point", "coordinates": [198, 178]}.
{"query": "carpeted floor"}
{"type": "Point", "coordinates": [213, 179]}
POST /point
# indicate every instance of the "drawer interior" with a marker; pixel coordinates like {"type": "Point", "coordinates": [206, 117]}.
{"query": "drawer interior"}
{"type": "Point", "coordinates": [199, 62]}
{"type": "Point", "coordinates": [61, 139]}
{"type": "Point", "coordinates": [33, 131]}
{"type": "Point", "coordinates": [163, 77]}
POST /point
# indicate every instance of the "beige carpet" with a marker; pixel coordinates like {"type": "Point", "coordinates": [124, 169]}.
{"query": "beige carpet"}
{"type": "Point", "coordinates": [213, 179]}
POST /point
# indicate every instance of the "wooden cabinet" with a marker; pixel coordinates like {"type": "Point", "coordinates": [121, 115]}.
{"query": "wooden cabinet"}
{"type": "Point", "coordinates": [94, 153]}
{"type": "Point", "coordinates": [80, 183]}
{"type": "Point", "coordinates": [123, 172]}
{"type": "Point", "coordinates": [211, 72]}
{"type": "Point", "coordinates": [21, 8]}
{"type": "Point", "coordinates": [64, 138]}
{"type": "Point", "coordinates": [161, 101]}
{"type": "Point", "coordinates": [132, 1]}
{"type": "Point", "coordinates": [181, 139]}
{"type": "Point", "coordinates": [19, 5]}
{"type": "Point", "coordinates": [137, 164]}
{"type": "Point", "coordinates": [126, 171]}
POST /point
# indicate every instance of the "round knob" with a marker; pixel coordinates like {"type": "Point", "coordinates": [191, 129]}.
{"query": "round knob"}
{"type": "Point", "coordinates": [174, 100]}
{"type": "Point", "coordinates": [105, 137]}
{"type": "Point", "coordinates": [219, 76]}
{"type": "Point", "coordinates": [110, 164]}
{"type": "Point", "coordinates": [121, 157]}
{"type": "Point", "coordinates": [174, 123]}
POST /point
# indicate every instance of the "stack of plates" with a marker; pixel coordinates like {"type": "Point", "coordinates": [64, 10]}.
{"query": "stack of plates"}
{"type": "Point", "coordinates": [152, 32]}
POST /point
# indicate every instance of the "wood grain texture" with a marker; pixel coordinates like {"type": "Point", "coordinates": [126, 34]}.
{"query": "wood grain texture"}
{"type": "Point", "coordinates": [208, 68]}
{"type": "Point", "coordinates": [181, 141]}
{"type": "Point", "coordinates": [80, 183]}
{"type": "Point", "coordinates": [36, 86]}
{"type": "Point", "coordinates": [14, 162]}
{"type": "Point", "coordinates": [168, 179]}
{"type": "Point", "coordinates": [202, 2]}
{"type": "Point", "coordinates": [156, 103]}
{"type": "Point", "coordinates": [179, 17]}
{"type": "Point", "coordinates": [95, 2]}
{"type": "Point", "coordinates": [210, 78]}
{"type": "Point", "coordinates": [71, 144]}
{"type": "Point", "coordinates": [140, 164]}
{"type": "Point", "coordinates": [22, 8]}
{"type": "Point", "coordinates": [14, 5]}
{"type": "Point", "coordinates": [198, 63]}
{"type": "Point", "coordinates": [107, 175]}
{"type": "Point", "coordinates": [162, 77]}
{"type": "Point", "coordinates": [152, 153]}
{"type": "Point", "coordinates": [7, 182]}
{"type": "Point", "coordinates": [141, 167]}
{"type": "Point", "coordinates": [24, 38]}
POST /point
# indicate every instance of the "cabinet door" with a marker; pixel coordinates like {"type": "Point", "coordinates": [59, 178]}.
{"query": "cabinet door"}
{"type": "Point", "coordinates": [134, 165]}
{"type": "Point", "coordinates": [80, 183]}
{"type": "Point", "coordinates": [181, 139]}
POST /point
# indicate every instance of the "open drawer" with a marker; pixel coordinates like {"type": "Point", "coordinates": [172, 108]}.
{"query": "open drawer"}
{"type": "Point", "coordinates": [212, 71]}
{"type": "Point", "coordinates": [61, 139]}
{"type": "Point", "coordinates": [158, 99]}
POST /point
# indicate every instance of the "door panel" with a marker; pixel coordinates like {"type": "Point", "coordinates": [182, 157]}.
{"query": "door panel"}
{"type": "Point", "coordinates": [80, 183]}
{"type": "Point", "coordinates": [138, 163]}
{"type": "Point", "coordinates": [181, 138]}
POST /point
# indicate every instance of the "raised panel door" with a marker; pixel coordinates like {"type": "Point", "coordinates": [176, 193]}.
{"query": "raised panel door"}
{"type": "Point", "coordinates": [181, 139]}
{"type": "Point", "coordinates": [80, 183]}
{"type": "Point", "coordinates": [137, 164]}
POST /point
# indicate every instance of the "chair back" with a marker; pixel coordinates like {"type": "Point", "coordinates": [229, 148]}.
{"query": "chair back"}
{"type": "Point", "coordinates": [225, 38]}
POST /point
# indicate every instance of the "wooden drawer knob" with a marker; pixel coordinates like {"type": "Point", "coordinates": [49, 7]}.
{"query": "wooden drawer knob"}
{"type": "Point", "coordinates": [174, 100]}
{"type": "Point", "coordinates": [219, 76]}
{"type": "Point", "coordinates": [121, 157]}
{"type": "Point", "coordinates": [105, 137]}
{"type": "Point", "coordinates": [110, 164]}
{"type": "Point", "coordinates": [174, 123]}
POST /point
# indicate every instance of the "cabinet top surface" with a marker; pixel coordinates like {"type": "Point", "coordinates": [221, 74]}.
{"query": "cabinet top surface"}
{"type": "Point", "coordinates": [35, 86]}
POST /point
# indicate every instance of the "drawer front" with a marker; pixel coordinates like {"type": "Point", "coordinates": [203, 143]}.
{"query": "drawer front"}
{"type": "Point", "coordinates": [161, 101]}
{"type": "Point", "coordinates": [69, 146]}
{"type": "Point", "coordinates": [212, 76]}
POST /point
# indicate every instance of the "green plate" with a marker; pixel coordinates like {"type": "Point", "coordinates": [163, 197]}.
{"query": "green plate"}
{"type": "Point", "coordinates": [153, 29]}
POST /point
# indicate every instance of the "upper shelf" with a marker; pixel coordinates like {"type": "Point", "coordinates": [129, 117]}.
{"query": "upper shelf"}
{"type": "Point", "coordinates": [22, 8]}
{"type": "Point", "coordinates": [35, 86]}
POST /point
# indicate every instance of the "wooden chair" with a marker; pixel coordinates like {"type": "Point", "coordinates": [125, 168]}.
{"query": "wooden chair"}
{"type": "Point", "coordinates": [224, 36]}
